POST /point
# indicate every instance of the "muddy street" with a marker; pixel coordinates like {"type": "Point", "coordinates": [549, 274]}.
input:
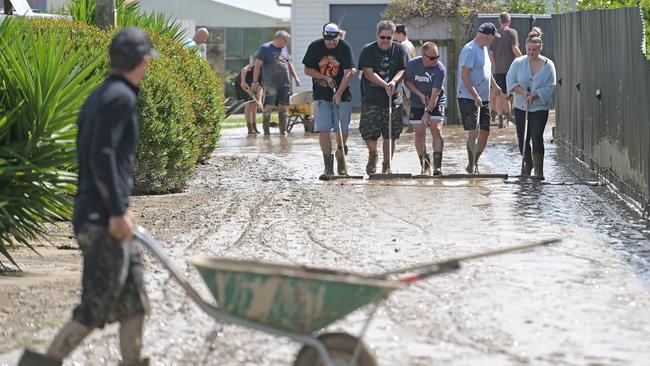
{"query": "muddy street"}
{"type": "Point", "coordinates": [584, 301]}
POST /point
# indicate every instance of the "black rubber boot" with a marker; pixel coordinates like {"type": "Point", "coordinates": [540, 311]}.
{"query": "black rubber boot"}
{"type": "Point", "coordinates": [527, 166]}
{"type": "Point", "coordinates": [31, 358]}
{"type": "Point", "coordinates": [425, 164]}
{"type": "Point", "coordinates": [437, 163]}
{"type": "Point", "coordinates": [501, 121]}
{"type": "Point", "coordinates": [282, 116]}
{"type": "Point", "coordinates": [371, 167]}
{"type": "Point", "coordinates": [341, 167]}
{"type": "Point", "coordinates": [470, 161]}
{"type": "Point", "coordinates": [385, 168]}
{"type": "Point", "coordinates": [328, 159]}
{"type": "Point", "coordinates": [538, 163]}
{"type": "Point", "coordinates": [142, 362]}
{"type": "Point", "coordinates": [266, 123]}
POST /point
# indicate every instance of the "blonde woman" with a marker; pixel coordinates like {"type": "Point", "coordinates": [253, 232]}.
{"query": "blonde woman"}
{"type": "Point", "coordinates": [532, 79]}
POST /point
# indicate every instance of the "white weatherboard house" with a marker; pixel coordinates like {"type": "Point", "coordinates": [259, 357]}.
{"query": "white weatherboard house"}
{"type": "Point", "coordinates": [357, 17]}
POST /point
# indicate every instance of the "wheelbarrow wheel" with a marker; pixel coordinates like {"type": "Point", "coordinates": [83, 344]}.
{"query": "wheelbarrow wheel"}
{"type": "Point", "coordinates": [341, 348]}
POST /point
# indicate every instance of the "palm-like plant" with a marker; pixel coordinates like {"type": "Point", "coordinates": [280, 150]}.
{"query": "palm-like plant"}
{"type": "Point", "coordinates": [129, 15]}
{"type": "Point", "coordinates": [42, 88]}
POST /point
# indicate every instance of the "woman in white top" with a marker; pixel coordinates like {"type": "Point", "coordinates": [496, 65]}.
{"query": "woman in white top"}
{"type": "Point", "coordinates": [532, 79]}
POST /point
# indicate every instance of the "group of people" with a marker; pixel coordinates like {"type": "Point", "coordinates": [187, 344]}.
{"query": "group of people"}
{"type": "Point", "coordinates": [112, 283]}
{"type": "Point", "coordinates": [392, 80]}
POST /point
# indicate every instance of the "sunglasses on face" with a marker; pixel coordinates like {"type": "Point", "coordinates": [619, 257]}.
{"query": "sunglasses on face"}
{"type": "Point", "coordinates": [386, 38]}
{"type": "Point", "coordinates": [432, 58]}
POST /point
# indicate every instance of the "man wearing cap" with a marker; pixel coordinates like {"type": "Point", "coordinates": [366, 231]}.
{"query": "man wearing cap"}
{"type": "Point", "coordinates": [474, 80]}
{"type": "Point", "coordinates": [383, 63]}
{"type": "Point", "coordinates": [112, 280]}
{"type": "Point", "coordinates": [274, 62]}
{"type": "Point", "coordinates": [328, 61]}
{"type": "Point", "coordinates": [504, 51]}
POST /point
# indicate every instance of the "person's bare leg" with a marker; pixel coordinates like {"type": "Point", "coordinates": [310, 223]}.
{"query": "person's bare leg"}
{"type": "Point", "coordinates": [387, 146]}
{"type": "Point", "coordinates": [131, 340]}
{"type": "Point", "coordinates": [482, 141]}
{"type": "Point", "coordinates": [419, 130]}
{"type": "Point", "coordinates": [325, 142]}
{"type": "Point", "coordinates": [437, 144]}
{"type": "Point", "coordinates": [247, 115]}
{"type": "Point", "coordinates": [68, 339]}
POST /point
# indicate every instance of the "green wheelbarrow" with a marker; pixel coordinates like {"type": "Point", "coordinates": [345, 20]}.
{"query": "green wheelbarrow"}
{"type": "Point", "coordinates": [297, 302]}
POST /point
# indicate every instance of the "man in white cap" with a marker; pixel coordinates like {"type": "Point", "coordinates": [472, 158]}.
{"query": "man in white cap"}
{"type": "Point", "coordinates": [328, 61]}
{"type": "Point", "coordinates": [474, 80]}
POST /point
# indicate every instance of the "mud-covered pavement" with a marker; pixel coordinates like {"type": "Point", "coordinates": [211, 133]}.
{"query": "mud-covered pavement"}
{"type": "Point", "coordinates": [582, 302]}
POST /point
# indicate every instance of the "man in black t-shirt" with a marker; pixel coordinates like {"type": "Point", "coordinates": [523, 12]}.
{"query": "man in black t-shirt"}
{"type": "Point", "coordinates": [329, 63]}
{"type": "Point", "coordinates": [383, 63]}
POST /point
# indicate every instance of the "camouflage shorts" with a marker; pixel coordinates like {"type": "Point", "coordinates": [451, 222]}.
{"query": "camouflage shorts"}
{"type": "Point", "coordinates": [113, 285]}
{"type": "Point", "coordinates": [374, 122]}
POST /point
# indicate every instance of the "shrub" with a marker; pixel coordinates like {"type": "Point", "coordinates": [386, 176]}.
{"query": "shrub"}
{"type": "Point", "coordinates": [46, 72]}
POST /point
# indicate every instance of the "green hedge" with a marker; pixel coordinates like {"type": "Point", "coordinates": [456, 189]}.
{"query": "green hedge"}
{"type": "Point", "coordinates": [180, 108]}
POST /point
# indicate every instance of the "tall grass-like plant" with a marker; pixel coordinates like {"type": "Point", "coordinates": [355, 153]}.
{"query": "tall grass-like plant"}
{"type": "Point", "coordinates": [42, 88]}
{"type": "Point", "coordinates": [129, 15]}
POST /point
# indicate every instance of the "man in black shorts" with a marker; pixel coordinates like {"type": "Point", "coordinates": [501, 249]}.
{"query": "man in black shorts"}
{"type": "Point", "coordinates": [474, 81]}
{"type": "Point", "coordinates": [112, 283]}
{"type": "Point", "coordinates": [274, 62]}
{"type": "Point", "coordinates": [382, 62]}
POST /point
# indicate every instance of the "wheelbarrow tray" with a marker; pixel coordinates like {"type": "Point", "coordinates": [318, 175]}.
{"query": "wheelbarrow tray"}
{"type": "Point", "coordinates": [297, 299]}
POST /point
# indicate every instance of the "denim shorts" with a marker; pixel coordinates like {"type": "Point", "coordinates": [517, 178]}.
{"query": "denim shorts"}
{"type": "Point", "coordinates": [327, 116]}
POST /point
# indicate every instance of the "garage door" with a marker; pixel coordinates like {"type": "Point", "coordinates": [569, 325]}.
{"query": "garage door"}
{"type": "Point", "coordinates": [359, 21]}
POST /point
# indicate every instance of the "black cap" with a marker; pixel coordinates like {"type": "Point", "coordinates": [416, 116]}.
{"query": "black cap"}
{"type": "Point", "coordinates": [128, 48]}
{"type": "Point", "coordinates": [489, 29]}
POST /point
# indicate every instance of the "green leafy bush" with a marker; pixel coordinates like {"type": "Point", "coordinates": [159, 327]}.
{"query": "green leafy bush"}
{"type": "Point", "coordinates": [42, 88]}
{"type": "Point", "coordinates": [526, 6]}
{"type": "Point", "coordinates": [47, 68]}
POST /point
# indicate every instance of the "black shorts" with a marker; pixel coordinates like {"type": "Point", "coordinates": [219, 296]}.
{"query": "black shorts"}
{"type": "Point", "coordinates": [277, 93]}
{"type": "Point", "coordinates": [112, 281]}
{"type": "Point", "coordinates": [241, 93]}
{"type": "Point", "coordinates": [501, 82]}
{"type": "Point", "coordinates": [468, 113]}
{"type": "Point", "coordinates": [374, 122]}
{"type": "Point", "coordinates": [417, 113]}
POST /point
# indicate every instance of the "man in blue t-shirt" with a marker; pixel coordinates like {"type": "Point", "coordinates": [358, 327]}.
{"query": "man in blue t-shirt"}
{"type": "Point", "coordinates": [474, 80]}
{"type": "Point", "coordinates": [274, 62]}
{"type": "Point", "coordinates": [328, 61]}
{"type": "Point", "coordinates": [424, 77]}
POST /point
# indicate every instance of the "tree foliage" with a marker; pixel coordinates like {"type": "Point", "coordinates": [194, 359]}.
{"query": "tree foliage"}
{"type": "Point", "coordinates": [404, 9]}
{"type": "Point", "coordinates": [525, 6]}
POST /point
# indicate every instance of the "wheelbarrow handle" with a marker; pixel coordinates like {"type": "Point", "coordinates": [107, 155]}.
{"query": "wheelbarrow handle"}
{"type": "Point", "coordinates": [425, 270]}
{"type": "Point", "coordinates": [150, 243]}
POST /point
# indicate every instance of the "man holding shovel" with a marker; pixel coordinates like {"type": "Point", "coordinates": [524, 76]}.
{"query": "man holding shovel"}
{"type": "Point", "coordinates": [274, 62]}
{"type": "Point", "coordinates": [112, 282]}
{"type": "Point", "coordinates": [474, 80]}
{"type": "Point", "coordinates": [424, 77]}
{"type": "Point", "coordinates": [328, 61]}
{"type": "Point", "coordinates": [382, 62]}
